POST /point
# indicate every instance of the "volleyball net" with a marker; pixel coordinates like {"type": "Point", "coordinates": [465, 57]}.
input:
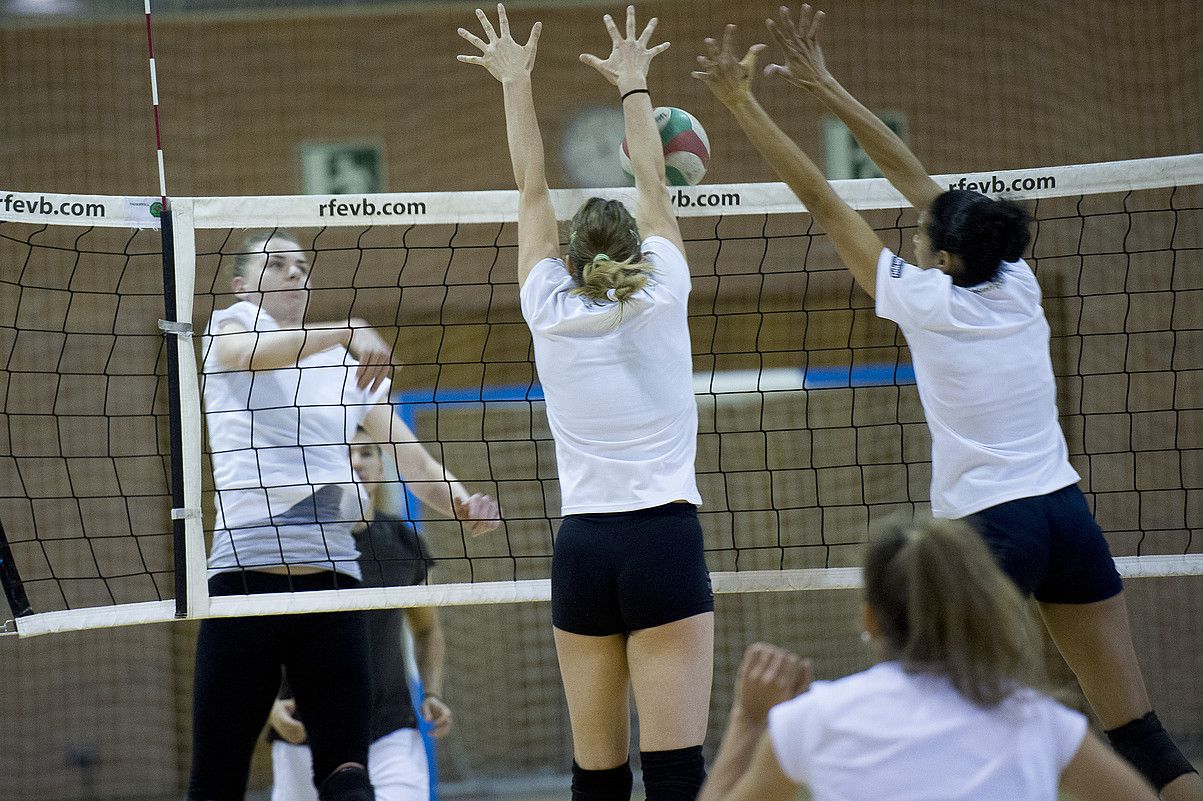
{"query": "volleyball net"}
{"type": "Point", "coordinates": [810, 429]}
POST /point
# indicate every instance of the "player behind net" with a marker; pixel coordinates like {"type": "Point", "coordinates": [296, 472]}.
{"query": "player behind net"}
{"type": "Point", "coordinates": [282, 399]}
{"type": "Point", "coordinates": [948, 714]}
{"type": "Point", "coordinates": [631, 599]}
{"type": "Point", "coordinates": [391, 554]}
{"type": "Point", "coordinates": [970, 310]}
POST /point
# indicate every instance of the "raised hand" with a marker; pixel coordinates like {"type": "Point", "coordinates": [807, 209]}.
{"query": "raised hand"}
{"type": "Point", "coordinates": [479, 513]}
{"type": "Point", "coordinates": [627, 65]}
{"type": "Point", "coordinates": [730, 79]}
{"type": "Point", "coordinates": [804, 65]}
{"type": "Point", "coordinates": [505, 59]}
{"type": "Point", "coordinates": [768, 676]}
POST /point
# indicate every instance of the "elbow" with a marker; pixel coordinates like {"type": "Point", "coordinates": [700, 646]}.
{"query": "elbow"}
{"type": "Point", "coordinates": [533, 189]}
{"type": "Point", "coordinates": [234, 360]}
{"type": "Point", "coordinates": [532, 176]}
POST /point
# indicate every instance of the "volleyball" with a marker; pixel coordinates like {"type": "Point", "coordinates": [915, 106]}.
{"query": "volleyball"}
{"type": "Point", "coordinates": [686, 147]}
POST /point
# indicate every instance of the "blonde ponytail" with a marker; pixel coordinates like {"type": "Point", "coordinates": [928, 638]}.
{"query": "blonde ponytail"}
{"type": "Point", "coordinates": [605, 280]}
{"type": "Point", "coordinates": [604, 253]}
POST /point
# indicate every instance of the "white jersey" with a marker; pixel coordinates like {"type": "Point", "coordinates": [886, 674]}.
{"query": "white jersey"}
{"type": "Point", "coordinates": [285, 492]}
{"type": "Point", "coordinates": [619, 390]}
{"type": "Point", "coordinates": [887, 735]}
{"type": "Point", "coordinates": [986, 382]}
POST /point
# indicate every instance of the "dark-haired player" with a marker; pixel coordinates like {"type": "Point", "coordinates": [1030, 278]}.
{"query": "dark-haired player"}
{"type": "Point", "coordinates": [970, 310]}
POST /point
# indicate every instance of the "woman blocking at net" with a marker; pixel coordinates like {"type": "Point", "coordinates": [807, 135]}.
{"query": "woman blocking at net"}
{"type": "Point", "coordinates": [971, 314]}
{"type": "Point", "coordinates": [631, 601]}
{"type": "Point", "coordinates": [391, 554]}
{"type": "Point", "coordinates": [947, 714]}
{"type": "Point", "coordinates": [282, 400]}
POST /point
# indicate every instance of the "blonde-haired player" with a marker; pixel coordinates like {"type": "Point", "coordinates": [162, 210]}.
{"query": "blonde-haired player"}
{"type": "Point", "coordinates": [631, 599]}
{"type": "Point", "coordinates": [282, 399]}
{"type": "Point", "coordinates": [948, 714]}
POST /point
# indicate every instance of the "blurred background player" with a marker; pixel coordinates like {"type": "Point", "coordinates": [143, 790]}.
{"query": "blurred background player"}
{"type": "Point", "coordinates": [391, 554]}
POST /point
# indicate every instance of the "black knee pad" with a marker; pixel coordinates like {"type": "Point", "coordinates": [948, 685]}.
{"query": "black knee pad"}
{"type": "Point", "coordinates": [611, 784]}
{"type": "Point", "coordinates": [675, 775]}
{"type": "Point", "coordinates": [348, 784]}
{"type": "Point", "coordinates": [1145, 743]}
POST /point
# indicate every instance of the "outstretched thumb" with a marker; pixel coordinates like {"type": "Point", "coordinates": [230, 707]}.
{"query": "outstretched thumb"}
{"type": "Point", "coordinates": [749, 60]}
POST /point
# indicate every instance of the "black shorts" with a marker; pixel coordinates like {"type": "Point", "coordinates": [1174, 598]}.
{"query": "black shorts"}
{"type": "Point", "coordinates": [1051, 547]}
{"type": "Point", "coordinates": [621, 572]}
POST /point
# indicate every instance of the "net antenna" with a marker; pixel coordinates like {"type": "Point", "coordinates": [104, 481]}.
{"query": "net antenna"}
{"type": "Point", "coordinates": [810, 427]}
{"type": "Point", "coordinates": [154, 100]}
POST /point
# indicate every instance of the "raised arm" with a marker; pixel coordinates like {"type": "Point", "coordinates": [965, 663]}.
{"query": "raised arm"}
{"type": "Point", "coordinates": [511, 64]}
{"type": "Point", "coordinates": [730, 80]}
{"type": "Point", "coordinates": [434, 484]}
{"type": "Point", "coordinates": [626, 68]}
{"type": "Point", "coordinates": [806, 67]}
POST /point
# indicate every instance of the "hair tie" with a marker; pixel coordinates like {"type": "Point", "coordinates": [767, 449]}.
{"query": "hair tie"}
{"type": "Point", "coordinates": [612, 294]}
{"type": "Point", "coordinates": [601, 257]}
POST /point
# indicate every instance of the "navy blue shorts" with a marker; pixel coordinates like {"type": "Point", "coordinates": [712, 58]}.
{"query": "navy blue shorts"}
{"type": "Point", "coordinates": [620, 572]}
{"type": "Point", "coordinates": [1051, 547]}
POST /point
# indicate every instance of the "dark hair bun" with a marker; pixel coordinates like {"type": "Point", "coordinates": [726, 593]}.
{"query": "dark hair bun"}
{"type": "Point", "coordinates": [983, 232]}
{"type": "Point", "coordinates": [1007, 226]}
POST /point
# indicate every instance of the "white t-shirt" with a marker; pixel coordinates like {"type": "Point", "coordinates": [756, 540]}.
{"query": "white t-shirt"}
{"type": "Point", "coordinates": [281, 463]}
{"type": "Point", "coordinates": [888, 735]}
{"type": "Point", "coordinates": [619, 392]}
{"type": "Point", "coordinates": [985, 380]}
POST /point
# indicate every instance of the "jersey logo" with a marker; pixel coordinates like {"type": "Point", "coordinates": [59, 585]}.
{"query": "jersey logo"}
{"type": "Point", "coordinates": [896, 267]}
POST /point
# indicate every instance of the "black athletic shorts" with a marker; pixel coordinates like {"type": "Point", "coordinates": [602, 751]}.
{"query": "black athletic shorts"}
{"type": "Point", "coordinates": [1051, 547]}
{"type": "Point", "coordinates": [620, 572]}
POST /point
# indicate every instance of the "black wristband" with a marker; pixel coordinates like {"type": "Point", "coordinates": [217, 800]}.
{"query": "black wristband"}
{"type": "Point", "coordinates": [635, 92]}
